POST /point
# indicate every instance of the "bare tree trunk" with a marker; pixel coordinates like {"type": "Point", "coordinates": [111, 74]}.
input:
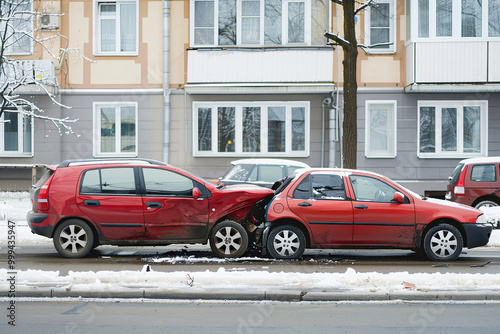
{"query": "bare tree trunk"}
{"type": "Point", "coordinates": [350, 128]}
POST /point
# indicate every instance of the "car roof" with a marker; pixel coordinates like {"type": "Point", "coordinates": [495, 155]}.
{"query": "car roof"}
{"type": "Point", "coordinates": [125, 161]}
{"type": "Point", "coordinates": [480, 160]}
{"type": "Point", "coordinates": [337, 170]}
{"type": "Point", "coordinates": [264, 161]}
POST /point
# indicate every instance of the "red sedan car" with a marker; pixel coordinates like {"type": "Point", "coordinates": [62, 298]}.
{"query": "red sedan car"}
{"type": "Point", "coordinates": [333, 208]}
{"type": "Point", "coordinates": [83, 204]}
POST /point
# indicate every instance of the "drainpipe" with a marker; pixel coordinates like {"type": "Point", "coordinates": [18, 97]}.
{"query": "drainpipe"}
{"type": "Point", "coordinates": [166, 80]}
{"type": "Point", "coordinates": [326, 101]}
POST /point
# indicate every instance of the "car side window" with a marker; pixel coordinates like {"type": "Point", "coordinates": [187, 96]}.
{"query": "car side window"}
{"type": "Point", "coordinates": [370, 189]}
{"type": "Point", "coordinates": [303, 190]}
{"type": "Point", "coordinates": [271, 173]}
{"type": "Point", "coordinates": [483, 173]}
{"type": "Point", "coordinates": [167, 183]}
{"type": "Point", "coordinates": [112, 181]}
{"type": "Point", "coordinates": [321, 186]}
{"type": "Point", "coordinates": [328, 186]}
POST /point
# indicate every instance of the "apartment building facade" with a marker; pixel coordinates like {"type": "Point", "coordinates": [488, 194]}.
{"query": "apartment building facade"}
{"type": "Point", "coordinates": [198, 83]}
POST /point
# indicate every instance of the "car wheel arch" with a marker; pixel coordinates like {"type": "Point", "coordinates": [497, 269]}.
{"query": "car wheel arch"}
{"type": "Point", "coordinates": [95, 231]}
{"type": "Point", "coordinates": [448, 221]}
{"type": "Point", "coordinates": [491, 198]}
{"type": "Point", "coordinates": [295, 223]}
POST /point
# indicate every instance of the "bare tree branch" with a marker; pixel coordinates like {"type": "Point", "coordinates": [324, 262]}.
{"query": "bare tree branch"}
{"type": "Point", "coordinates": [340, 41]}
{"type": "Point", "coordinates": [363, 6]}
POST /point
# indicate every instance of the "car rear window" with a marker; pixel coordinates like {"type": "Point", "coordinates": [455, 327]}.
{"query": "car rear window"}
{"type": "Point", "coordinates": [453, 179]}
{"type": "Point", "coordinates": [483, 173]}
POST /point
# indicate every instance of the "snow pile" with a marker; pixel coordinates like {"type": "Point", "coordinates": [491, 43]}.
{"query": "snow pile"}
{"type": "Point", "coordinates": [223, 279]}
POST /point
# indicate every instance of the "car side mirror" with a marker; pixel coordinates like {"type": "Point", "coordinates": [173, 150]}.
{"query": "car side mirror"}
{"type": "Point", "coordinates": [196, 193]}
{"type": "Point", "coordinates": [399, 197]}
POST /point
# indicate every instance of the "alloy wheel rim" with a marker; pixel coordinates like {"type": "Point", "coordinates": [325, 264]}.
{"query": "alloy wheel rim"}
{"type": "Point", "coordinates": [73, 238]}
{"type": "Point", "coordinates": [286, 243]}
{"type": "Point", "coordinates": [228, 240]}
{"type": "Point", "coordinates": [443, 243]}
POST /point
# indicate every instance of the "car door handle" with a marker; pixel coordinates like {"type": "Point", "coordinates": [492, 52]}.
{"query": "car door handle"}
{"type": "Point", "coordinates": [305, 204]}
{"type": "Point", "coordinates": [153, 204]}
{"type": "Point", "coordinates": [89, 202]}
{"type": "Point", "coordinates": [361, 206]}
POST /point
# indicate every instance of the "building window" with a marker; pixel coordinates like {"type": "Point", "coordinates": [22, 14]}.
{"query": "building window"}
{"type": "Point", "coordinates": [453, 129]}
{"type": "Point", "coordinates": [258, 22]}
{"type": "Point", "coordinates": [251, 128]}
{"type": "Point", "coordinates": [381, 26]}
{"type": "Point", "coordinates": [459, 19]}
{"type": "Point", "coordinates": [380, 129]}
{"type": "Point", "coordinates": [16, 134]}
{"type": "Point", "coordinates": [17, 26]}
{"type": "Point", "coordinates": [115, 131]}
{"type": "Point", "coordinates": [116, 27]}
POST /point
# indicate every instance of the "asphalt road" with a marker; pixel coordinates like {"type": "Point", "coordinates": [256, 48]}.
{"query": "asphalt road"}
{"type": "Point", "coordinates": [88, 316]}
{"type": "Point", "coordinates": [200, 258]}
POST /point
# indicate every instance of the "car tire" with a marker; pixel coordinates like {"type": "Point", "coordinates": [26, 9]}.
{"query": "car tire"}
{"type": "Point", "coordinates": [443, 242]}
{"type": "Point", "coordinates": [286, 242]}
{"type": "Point", "coordinates": [229, 239]}
{"type": "Point", "coordinates": [486, 204]}
{"type": "Point", "coordinates": [73, 238]}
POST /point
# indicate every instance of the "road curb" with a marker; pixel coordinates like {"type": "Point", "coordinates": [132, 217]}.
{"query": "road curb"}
{"type": "Point", "coordinates": [258, 295]}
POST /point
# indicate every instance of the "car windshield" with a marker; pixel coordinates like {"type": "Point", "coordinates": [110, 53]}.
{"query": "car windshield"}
{"type": "Point", "coordinates": [238, 172]}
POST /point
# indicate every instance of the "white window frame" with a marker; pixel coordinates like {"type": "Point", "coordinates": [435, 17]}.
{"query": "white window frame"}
{"type": "Point", "coordinates": [10, 49]}
{"type": "Point", "coordinates": [284, 24]}
{"type": "Point", "coordinates": [97, 129]}
{"type": "Point", "coordinates": [20, 137]}
{"type": "Point", "coordinates": [456, 23]}
{"type": "Point", "coordinates": [392, 27]}
{"type": "Point", "coordinates": [97, 29]}
{"type": "Point", "coordinates": [263, 130]}
{"type": "Point", "coordinates": [391, 129]}
{"type": "Point", "coordinates": [459, 105]}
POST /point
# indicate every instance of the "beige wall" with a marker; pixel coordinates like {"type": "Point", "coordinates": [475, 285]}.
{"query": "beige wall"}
{"type": "Point", "coordinates": [86, 70]}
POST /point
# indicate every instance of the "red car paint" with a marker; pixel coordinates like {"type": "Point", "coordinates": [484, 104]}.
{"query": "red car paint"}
{"type": "Point", "coordinates": [336, 208]}
{"type": "Point", "coordinates": [153, 204]}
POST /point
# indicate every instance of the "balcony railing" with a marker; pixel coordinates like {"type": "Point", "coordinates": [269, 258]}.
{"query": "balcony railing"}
{"type": "Point", "coordinates": [453, 62]}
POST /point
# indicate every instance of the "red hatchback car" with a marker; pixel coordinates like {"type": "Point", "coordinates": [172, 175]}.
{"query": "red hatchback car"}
{"type": "Point", "coordinates": [326, 208]}
{"type": "Point", "coordinates": [83, 204]}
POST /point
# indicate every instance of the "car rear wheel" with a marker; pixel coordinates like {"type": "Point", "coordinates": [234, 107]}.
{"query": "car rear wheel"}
{"type": "Point", "coordinates": [485, 204]}
{"type": "Point", "coordinates": [229, 239]}
{"type": "Point", "coordinates": [286, 242]}
{"type": "Point", "coordinates": [73, 239]}
{"type": "Point", "coordinates": [443, 243]}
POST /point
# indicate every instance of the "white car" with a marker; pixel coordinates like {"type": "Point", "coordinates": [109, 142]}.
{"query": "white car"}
{"type": "Point", "coordinates": [261, 172]}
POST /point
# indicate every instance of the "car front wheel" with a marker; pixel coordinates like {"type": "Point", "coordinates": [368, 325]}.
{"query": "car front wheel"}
{"type": "Point", "coordinates": [286, 242]}
{"type": "Point", "coordinates": [229, 239]}
{"type": "Point", "coordinates": [73, 239]}
{"type": "Point", "coordinates": [443, 243]}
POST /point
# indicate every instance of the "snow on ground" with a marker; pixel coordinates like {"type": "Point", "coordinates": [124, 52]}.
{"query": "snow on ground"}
{"type": "Point", "coordinates": [14, 206]}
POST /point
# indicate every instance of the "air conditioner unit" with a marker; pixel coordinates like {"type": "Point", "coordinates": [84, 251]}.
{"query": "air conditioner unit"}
{"type": "Point", "coordinates": [49, 20]}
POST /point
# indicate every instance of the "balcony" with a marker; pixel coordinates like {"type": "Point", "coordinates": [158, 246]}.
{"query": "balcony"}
{"type": "Point", "coordinates": [31, 74]}
{"type": "Point", "coordinates": [453, 66]}
{"type": "Point", "coordinates": [245, 70]}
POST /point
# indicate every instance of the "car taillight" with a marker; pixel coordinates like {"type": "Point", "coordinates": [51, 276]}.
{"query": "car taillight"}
{"type": "Point", "coordinates": [460, 186]}
{"type": "Point", "coordinates": [43, 196]}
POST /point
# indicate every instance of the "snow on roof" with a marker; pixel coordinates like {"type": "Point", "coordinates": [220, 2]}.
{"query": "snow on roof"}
{"type": "Point", "coordinates": [480, 160]}
{"type": "Point", "coordinates": [259, 161]}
